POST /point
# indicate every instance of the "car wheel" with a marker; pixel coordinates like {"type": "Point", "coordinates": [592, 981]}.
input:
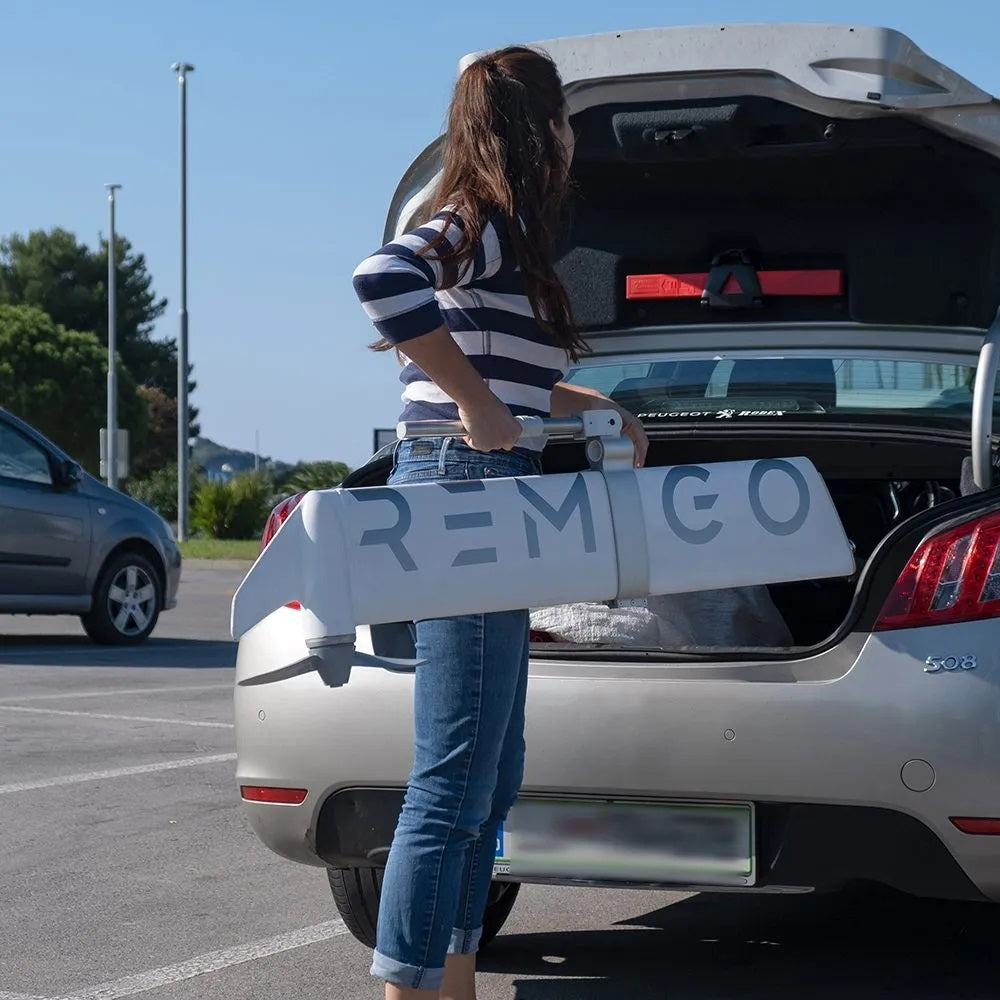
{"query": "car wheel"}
{"type": "Point", "coordinates": [356, 891]}
{"type": "Point", "coordinates": [127, 602]}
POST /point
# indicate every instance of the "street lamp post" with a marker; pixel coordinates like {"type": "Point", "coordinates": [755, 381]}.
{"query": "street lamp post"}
{"type": "Point", "coordinates": [111, 435]}
{"type": "Point", "coordinates": [182, 69]}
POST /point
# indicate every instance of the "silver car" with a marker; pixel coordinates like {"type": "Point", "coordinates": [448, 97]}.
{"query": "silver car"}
{"type": "Point", "coordinates": [70, 545]}
{"type": "Point", "coordinates": [784, 249]}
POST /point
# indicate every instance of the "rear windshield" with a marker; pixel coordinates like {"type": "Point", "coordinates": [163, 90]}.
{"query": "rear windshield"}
{"type": "Point", "coordinates": [827, 389]}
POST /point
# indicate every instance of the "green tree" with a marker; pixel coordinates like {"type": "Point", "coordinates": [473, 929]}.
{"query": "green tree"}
{"type": "Point", "coordinates": [161, 435]}
{"type": "Point", "coordinates": [68, 280]}
{"type": "Point", "coordinates": [315, 476]}
{"type": "Point", "coordinates": [56, 379]}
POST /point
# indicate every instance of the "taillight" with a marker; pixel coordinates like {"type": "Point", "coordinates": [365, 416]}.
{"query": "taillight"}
{"type": "Point", "coordinates": [953, 577]}
{"type": "Point", "coordinates": [273, 795]}
{"type": "Point", "coordinates": [277, 518]}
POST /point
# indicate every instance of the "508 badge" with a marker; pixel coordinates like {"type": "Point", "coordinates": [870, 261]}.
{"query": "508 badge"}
{"type": "Point", "coordinates": [937, 664]}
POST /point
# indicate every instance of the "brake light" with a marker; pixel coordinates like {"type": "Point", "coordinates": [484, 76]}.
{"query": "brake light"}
{"type": "Point", "coordinates": [953, 577]}
{"type": "Point", "coordinates": [277, 518]}
{"type": "Point", "coordinates": [273, 795]}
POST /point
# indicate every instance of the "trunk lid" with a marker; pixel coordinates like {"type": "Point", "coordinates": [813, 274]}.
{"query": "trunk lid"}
{"type": "Point", "coordinates": [806, 148]}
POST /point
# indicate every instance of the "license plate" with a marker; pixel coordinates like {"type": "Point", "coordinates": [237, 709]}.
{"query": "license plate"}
{"type": "Point", "coordinates": [680, 843]}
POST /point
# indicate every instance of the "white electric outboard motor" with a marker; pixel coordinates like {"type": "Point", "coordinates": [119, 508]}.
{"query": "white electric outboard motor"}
{"type": "Point", "coordinates": [385, 554]}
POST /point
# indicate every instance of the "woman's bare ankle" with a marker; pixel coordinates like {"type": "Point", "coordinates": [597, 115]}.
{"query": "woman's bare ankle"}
{"type": "Point", "coordinates": [404, 993]}
{"type": "Point", "coordinates": [459, 978]}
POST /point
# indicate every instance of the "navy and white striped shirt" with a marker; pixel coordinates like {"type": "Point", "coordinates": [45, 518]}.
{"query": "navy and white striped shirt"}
{"type": "Point", "coordinates": [408, 294]}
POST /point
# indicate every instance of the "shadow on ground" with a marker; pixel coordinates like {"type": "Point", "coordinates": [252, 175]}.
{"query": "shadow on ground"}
{"type": "Point", "coordinates": [862, 945]}
{"type": "Point", "coordinates": [79, 651]}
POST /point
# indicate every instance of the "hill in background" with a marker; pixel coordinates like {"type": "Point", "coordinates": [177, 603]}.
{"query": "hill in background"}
{"type": "Point", "coordinates": [220, 462]}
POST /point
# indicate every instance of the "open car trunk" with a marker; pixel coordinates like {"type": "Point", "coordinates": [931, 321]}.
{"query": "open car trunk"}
{"type": "Point", "coordinates": [741, 191]}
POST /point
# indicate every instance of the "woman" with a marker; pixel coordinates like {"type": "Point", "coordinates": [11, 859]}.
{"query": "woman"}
{"type": "Point", "coordinates": [473, 306]}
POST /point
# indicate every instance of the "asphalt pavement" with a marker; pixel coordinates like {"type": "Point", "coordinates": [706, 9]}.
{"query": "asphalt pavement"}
{"type": "Point", "coordinates": [127, 867]}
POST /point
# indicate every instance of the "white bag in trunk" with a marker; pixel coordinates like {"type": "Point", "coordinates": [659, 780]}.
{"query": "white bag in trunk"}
{"type": "Point", "coordinates": [741, 616]}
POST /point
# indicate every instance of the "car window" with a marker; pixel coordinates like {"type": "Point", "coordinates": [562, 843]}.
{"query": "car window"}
{"type": "Point", "coordinates": [824, 388]}
{"type": "Point", "coordinates": [22, 459]}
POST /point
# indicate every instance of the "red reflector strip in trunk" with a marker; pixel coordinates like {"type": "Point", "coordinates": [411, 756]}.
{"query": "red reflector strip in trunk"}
{"type": "Point", "coordinates": [977, 824]}
{"type": "Point", "coordinates": [665, 286]}
{"type": "Point", "coordinates": [691, 286]}
{"type": "Point", "coordinates": [278, 796]}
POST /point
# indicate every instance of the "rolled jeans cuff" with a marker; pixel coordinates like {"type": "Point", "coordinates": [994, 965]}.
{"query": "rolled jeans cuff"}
{"type": "Point", "coordinates": [465, 942]}
{"type": "Point", "coordinates": [406, 976]}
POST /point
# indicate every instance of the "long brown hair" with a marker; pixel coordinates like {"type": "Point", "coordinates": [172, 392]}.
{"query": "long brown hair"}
{"type": "Point", "coordinates": [502, 157]}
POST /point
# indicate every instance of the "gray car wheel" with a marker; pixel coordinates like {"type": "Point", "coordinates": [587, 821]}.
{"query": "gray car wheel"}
{"type": "Point", "coordinates": [356, 891]}
{"type": "Point", "coordinates": [127, 602]}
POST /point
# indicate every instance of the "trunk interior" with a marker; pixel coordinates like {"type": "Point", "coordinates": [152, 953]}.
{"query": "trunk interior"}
{"type": "Point", "coordinates": [876, 483]}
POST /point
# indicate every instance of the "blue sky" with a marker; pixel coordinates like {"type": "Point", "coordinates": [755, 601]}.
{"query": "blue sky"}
{"type": "Point", "coordinates": [302, 117]}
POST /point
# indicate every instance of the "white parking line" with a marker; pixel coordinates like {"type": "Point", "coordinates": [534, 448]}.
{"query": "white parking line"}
{"type": "Point", "coordinates": [118, 772]}
{"type": "Point", "coordinates": [122, 718]}
{"type": "Point", "coordinates": [111, 692]}
{"type": "Point", "coordinates": [213, 961]}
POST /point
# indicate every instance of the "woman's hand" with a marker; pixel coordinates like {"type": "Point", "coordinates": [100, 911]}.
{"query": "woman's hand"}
{"type": "Point", "coordinates": [568, 400]}
{"type": "Point", "coordinates": [490, 424]}
{"type": "Point", "coordinates": [632, 427]}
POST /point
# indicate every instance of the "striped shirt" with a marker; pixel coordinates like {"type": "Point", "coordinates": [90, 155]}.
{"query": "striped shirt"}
{"type": "Point", "coordinates": [407, 294]}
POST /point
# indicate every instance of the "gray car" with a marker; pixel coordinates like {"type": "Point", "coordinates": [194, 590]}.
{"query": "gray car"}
{"type": "Point", "coordinates": [784, 250]}
{"type": "Point", "coordinates": [69, 544]}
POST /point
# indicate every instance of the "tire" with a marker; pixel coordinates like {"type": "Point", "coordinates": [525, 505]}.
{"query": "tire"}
{"type": "Point", "coordinates": [499, 903]}
{"type": "Point", "coordinates": [356, 891]}
{"type": "Point", "coordinates": [127, 602]}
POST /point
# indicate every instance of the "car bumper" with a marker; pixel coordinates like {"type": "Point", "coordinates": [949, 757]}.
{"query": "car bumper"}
{"type": "Point", "coordinates": [800, 846]}
{"type": "Point", "coordinates": [172, 563]}
{"type": "Point", "coordinates": [857, 759]}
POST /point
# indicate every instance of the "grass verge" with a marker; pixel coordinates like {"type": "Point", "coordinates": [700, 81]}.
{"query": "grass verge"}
{"type": "Point", "coordinates": [220, 548]}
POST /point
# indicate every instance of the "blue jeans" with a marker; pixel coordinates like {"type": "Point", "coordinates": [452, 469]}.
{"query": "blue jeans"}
{"type": "Point", "coordinates": [468, 757]}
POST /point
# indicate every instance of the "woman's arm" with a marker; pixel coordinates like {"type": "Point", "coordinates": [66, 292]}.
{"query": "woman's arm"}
{"type": "Point", "coordinates": [568, 400]}
{"type": "Point", "coordinates": [396, 286]}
